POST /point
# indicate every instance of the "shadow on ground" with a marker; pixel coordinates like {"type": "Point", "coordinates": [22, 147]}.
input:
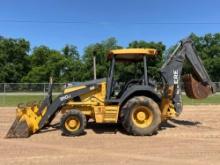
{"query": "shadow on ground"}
{"type": "Point", "coordinates": [95, 127]}
{"type": "Point", "coordinates": [50, 128]}
{"type": "Point", "coordinates": [114, 128]}
{"type": "Point", "coordinates": [172, 123]}
{"type": "Point", "coordinates": [105, 128]}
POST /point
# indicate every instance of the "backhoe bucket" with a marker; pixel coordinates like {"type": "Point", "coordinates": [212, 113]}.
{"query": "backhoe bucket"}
{"type": "Point", "coordinates": [26, 122]}
{"type": "Point", "coordinates": [195, 89]}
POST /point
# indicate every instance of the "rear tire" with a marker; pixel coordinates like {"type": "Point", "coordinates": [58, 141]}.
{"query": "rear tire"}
{"type": "Point", "coordinates": [73, 123]}
{"type": "Point", "coordinates": [141, 116]}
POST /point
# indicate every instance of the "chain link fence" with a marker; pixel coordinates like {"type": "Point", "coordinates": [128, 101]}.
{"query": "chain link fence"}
{"type": "Point", "coordinates": [12, 94]}
{"type": "Point", "coordinates": [217, 84]}
{"type": "Point", "coordinates": [29, 88]}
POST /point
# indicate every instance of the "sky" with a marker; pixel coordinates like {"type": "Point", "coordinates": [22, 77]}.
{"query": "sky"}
{"type": "Point", "coordinates": [82, 22]}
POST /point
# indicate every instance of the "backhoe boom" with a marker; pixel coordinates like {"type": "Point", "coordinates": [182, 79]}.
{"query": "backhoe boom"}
{"type": "Point", "coordinates": [197, 84]}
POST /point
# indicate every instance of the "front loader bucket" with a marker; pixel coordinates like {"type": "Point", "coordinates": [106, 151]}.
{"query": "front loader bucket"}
{"type": "Point", "coordinates": [19, 129]}
{"type": "Point", "coordinates": [28, 117]}
{"type": "Point", "coordinates": [195, 89]}
{"type": "Point", "coordinates": [26, 122]}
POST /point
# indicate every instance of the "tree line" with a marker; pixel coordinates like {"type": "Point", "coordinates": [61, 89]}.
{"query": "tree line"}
{"type": "Point", "coordinates": [20, 63]}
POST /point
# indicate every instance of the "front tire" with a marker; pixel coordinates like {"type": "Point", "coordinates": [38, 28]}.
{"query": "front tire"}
{"type": "Point", "coordinates": [73, 123]}
{"type": "Point", "coordinates": [141, 116]}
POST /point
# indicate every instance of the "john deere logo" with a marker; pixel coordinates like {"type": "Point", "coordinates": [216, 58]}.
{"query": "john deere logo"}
{"type": "Point", "coordinates": [175, 76]}
{"type": "Point", "coordinates": [65, 97]}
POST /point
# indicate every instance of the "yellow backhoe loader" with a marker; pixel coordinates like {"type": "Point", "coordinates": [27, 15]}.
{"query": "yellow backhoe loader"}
{"type": "Point", "coordinates": [136, 104]}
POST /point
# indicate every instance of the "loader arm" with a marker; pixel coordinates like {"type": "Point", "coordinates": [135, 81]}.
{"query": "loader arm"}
{"type": "Point", "coordinates": [197, 84]}
{"type": "Point", "coordinates": [32, 118]}
{"type": "Point", "coordinates": [54, 107]}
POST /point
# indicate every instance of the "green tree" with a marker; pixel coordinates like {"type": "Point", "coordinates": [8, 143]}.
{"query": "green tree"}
{"type": "Point", "coordinates": [208, 48]}
{"type": "Point", "coordinates": [73, 69]}
{"type": "Point", "coordinates": [40, 56]}
{"type": "Point", "coordinates": [70, 51]}
{"type": "Point", "coordinates": [100, 50]}
{"type": "Point", "coordinates": [63, 65]}
{"type": "Point", "coordinates": [154, 63]}
{"type": "Point", "coordinates": [45, 63]}
{"type": "Point", "coordinates": [14, 61]}
{"type": "Point", "coordinates": [67, 65]}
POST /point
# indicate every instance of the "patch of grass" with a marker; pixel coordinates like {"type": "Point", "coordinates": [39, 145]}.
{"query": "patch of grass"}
{"type": "Point", "coordinates": [215, 99]}
{"type": "Point", "coordinates": [14, 100]}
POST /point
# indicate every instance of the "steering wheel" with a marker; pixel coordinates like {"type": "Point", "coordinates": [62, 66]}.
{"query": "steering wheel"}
{"type": "Point", "coordinates": [128, 84]}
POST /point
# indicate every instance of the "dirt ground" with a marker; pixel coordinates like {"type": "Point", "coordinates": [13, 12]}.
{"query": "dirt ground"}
{"type": "Point", "coordinates": [193, 138]}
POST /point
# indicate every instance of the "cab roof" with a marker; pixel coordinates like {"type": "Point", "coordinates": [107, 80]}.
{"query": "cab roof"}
{"type": "Point", "coordinates": [131, 54]}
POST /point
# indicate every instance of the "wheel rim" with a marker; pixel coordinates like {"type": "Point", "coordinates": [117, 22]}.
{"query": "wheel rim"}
{"type": "Point", "coordinates": [142, 117]}
{"type": "Point", "coordinates": [72, 124]}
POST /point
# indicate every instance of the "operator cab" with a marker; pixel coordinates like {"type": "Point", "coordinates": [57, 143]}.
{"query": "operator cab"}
{"type": "Point", "coordinates": [119, 79]}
